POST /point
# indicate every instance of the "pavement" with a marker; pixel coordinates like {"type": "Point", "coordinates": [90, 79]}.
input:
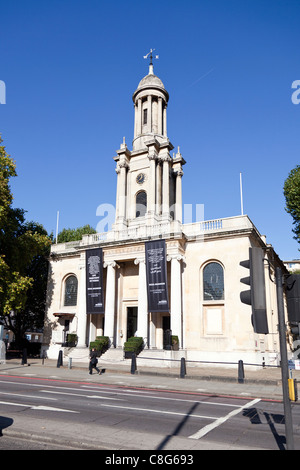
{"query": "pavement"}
{"type": "Point", "coordinates": [263, 382]}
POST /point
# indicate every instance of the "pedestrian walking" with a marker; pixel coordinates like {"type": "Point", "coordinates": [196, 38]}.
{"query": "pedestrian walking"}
{"type": "Point", "coordinates": [93, 362]}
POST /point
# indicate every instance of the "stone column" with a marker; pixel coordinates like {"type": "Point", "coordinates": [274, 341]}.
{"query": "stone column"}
{"type": "Point", "coordinates": [158, 187]}
{"type": "Point", "coordinates": [122, 190]}
{"type": "Point", "coordinates": [166, 187]}
{"type": "Point", "coordinates": [159, 116]}
{"type": "Point", "coordinates": [139, 117]}
{"type": "Point", "coordinates": [151, 201]}
{"type": "Point", "coordinates": [149, 124]}
{"type": "Point", "coordinates": [110, 300]}
{"type": "Point", "coordinates": [81, 312]}
{"type": "Point", "coordinates": [142, 319]}
{"type": "Point", "coordinates": [118, 192]}
{"type": "Point", "coordinates": [176, 317]}
{"type": "Point", "coordinates": [178, 207]}
{"type": "Point", "coordinates": [135, 120]}
{"type": "Point", "coordinates": [165, 121]}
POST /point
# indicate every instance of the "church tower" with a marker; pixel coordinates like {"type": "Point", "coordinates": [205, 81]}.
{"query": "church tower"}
{"type": "Point", "coordinates": [149, 178]}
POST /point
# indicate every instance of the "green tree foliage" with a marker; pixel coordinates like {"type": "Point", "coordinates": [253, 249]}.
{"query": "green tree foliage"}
{"type": "Point", "coordinates": [291, 192]}
{"type": "Point", "coordinates": [24, 248]}
{"type": "Point", "coordinates": [74, 234]}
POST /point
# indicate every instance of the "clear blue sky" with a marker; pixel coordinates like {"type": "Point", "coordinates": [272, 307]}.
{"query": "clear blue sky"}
{"type": "Point", "coordinates": [71, 67]}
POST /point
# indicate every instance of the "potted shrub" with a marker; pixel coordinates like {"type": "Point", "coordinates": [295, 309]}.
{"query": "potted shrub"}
{"type": "Point", "coordinates": [175, 343]}
{"type": "Point", "coordinates": [101, 344]}
{"type": "Point", "coordinates": [71, 340]}
{"type": "Point", "coordinates": [135, 344]}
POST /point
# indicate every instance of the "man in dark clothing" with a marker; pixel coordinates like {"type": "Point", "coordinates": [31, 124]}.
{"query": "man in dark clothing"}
{"type": "Point", "coordinates": [93, 362]}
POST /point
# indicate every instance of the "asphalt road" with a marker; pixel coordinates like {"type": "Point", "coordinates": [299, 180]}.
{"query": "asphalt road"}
{"type": "Point", "coordinates": [50, 413]}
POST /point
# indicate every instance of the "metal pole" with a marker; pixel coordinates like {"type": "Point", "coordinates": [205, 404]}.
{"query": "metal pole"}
{"type": "Point", "coordinates": [284, 364]}
{"type": "Point", "coordinates": [241, 191]}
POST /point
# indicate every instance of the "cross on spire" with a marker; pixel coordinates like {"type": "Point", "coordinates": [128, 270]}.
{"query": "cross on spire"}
{"type": "Point", "coordinates": [151, 58]}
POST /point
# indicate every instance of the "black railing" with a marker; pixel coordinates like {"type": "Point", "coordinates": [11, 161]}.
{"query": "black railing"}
{"type": "Point", "coordinates": [240, 365]}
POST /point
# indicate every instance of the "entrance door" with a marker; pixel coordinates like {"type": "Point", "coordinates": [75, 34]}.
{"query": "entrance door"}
{"type": "Point", "coordinates": [131, 321]}
{"type": "Point", "coordinates": [166, 332]}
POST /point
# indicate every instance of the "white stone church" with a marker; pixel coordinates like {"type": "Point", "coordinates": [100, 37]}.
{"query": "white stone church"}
{"type": "Point", "coordinates": [202, 261]}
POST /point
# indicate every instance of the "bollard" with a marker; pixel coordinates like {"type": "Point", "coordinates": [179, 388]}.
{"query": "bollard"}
{"type": "Point", "coordinates": [133, 363]}
{"type": "Point", "coordinates": [24, 357]}
{"type": "Point", "coordinates": [241, 374]}
{"type": "Point", "coordinates": [70, 363]}
{"type": "Point", "coordinates": [60, 359]}
{"type": "Point", "coordinates": [182, 368]}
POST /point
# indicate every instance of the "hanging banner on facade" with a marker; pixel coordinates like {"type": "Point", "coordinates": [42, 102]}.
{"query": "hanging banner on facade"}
{"type": "Point", "coordinates": [94, 281]}
{"type": "Point", "coordinates": [157, 282]}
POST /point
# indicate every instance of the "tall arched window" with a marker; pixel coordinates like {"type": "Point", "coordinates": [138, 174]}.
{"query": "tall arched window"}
{"type": "Point", "coordinates": [71, 285]}
{"type": "Point", "coordinates": [213, 282]}
{"type": "Point", "coordinates": [141, 204]}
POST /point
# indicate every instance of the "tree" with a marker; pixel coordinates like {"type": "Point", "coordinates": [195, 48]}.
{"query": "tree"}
{"type": "Point", "coordinates": [291, 192]}
{"type": "Point", "coordinates": [23, 246]}
{"type": "Point", "coordinates": [74, 234]}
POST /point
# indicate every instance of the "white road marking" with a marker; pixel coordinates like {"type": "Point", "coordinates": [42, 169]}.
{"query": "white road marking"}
{"type": "Point", "coordinates": [37, 407]}
{"type": "Point", "coordinates": [80, 395]}
{"type": "Point", "coordinates": [27, 396]}
{"type": "Point", "coordinates": [130, 408]}
{"type": "Point", "coordinates": [202, 432]}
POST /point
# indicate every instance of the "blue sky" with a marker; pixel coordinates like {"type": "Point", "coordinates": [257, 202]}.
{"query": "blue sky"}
{"type": "Point", "coordinates": [71, 67]}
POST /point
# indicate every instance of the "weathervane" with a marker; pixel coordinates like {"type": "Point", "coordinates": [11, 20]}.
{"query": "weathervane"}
{"type": "Point", "coordinates": [151, 56]}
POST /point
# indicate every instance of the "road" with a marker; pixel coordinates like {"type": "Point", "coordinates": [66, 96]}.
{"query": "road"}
{"type": "Point", "coordinates": [70, 414]}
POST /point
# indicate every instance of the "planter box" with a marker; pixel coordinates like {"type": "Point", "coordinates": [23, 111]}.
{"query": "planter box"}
{"type": "Point", "coordinates": [128, 354]}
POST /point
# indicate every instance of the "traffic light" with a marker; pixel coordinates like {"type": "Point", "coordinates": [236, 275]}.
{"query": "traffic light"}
{"type": "Point", "coordinates": [292, 289]}
{"type": "Point", "coordinates": [256, 296]}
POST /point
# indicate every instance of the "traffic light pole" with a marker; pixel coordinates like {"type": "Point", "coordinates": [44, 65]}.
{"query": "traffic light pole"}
{"type": "Point", "coordinates": [284, 363]}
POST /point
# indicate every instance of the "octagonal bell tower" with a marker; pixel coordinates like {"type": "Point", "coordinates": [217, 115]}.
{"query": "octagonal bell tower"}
{"type": "Point", "coordinates": [150, 103]}
{"type": "Point", "coordinates": [149, 179]}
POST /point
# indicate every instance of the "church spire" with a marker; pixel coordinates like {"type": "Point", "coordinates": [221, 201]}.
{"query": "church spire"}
{"type": "Point", "coordinates": [150, 104]}
{"type": "Point", "coordinates": [151, 58]}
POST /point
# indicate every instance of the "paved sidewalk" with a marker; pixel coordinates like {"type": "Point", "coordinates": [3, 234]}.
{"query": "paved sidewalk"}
{"type": "Point", "coordinates": [261, 383]}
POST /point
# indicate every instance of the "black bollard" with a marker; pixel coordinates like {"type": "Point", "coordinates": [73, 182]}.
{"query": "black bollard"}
{"type": "Point", "coordinates": [24, 357]}
{"type": "Point", "coordinates": [241, 374]}
{"type": "Point", "coordinates": [133, 363]}
{"type": "Point", "coordinates": [60, 359]}
{"type": "Point", "coordinates": [182, 368]}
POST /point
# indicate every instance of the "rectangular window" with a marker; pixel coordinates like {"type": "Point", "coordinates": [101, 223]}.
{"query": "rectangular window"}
{"type": "Point", "coordinates": [145, 116]}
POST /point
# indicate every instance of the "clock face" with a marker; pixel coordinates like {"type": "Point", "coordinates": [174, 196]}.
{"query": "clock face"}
{"type": "Point", "coordinates": [140, 178]}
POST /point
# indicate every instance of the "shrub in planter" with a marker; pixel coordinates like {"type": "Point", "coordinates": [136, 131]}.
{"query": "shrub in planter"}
{"type": "Point", "coordinates": [175, 343]}
{"type": "Point", "coordinates": [72, 340]}
{"type": "Point", "coordinates": [101, 344]}
{"type": "Point", "coordinates": [135, 344]}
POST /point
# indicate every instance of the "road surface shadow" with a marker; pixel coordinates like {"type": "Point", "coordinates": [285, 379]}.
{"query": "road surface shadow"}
{"type": "Point", "coordinates": [271, 419]}
{"type": "Point", "coordinates": [5, 423]}
{"type": "Point", "coordinates": [177, 429]}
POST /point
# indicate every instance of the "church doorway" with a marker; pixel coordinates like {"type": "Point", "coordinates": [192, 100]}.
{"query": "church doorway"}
{"type": "Point", "coordinates": [166, 332]}
{"type": "Point", "coordinates": [131, 321]}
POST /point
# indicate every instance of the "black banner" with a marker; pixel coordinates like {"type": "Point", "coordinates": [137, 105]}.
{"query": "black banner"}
{"type": "Point", "coordinates": [94, 281]}
{"type": "Point", "coordinates": [157, 282]}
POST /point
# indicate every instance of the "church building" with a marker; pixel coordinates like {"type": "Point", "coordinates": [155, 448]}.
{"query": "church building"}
{"type": "Point", "coordinates": [151, 275]}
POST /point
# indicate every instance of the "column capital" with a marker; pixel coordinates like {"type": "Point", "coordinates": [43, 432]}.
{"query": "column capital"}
{"type": "Point", "coordinates": [139, 261]}
{"type": "Point", "coordinates": [123, 164]}
{"type": "Point", "coordinates": [166, 158]}
{"type": "Point", "coordinates": [112, 264]}
{"type": "Point", "coordinates": [177, 257]}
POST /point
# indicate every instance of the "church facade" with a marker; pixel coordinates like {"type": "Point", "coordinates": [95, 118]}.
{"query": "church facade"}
{"type": "Point", "coordinates": [201, 261]}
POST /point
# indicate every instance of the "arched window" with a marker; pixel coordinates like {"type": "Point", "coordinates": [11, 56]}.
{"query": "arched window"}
{"type": "Point", "coordinates": [71, 291]}
{"type": "Point", "coordinates": [141, 204]}
{"type": "Point", "coordinates": [213, 282]}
